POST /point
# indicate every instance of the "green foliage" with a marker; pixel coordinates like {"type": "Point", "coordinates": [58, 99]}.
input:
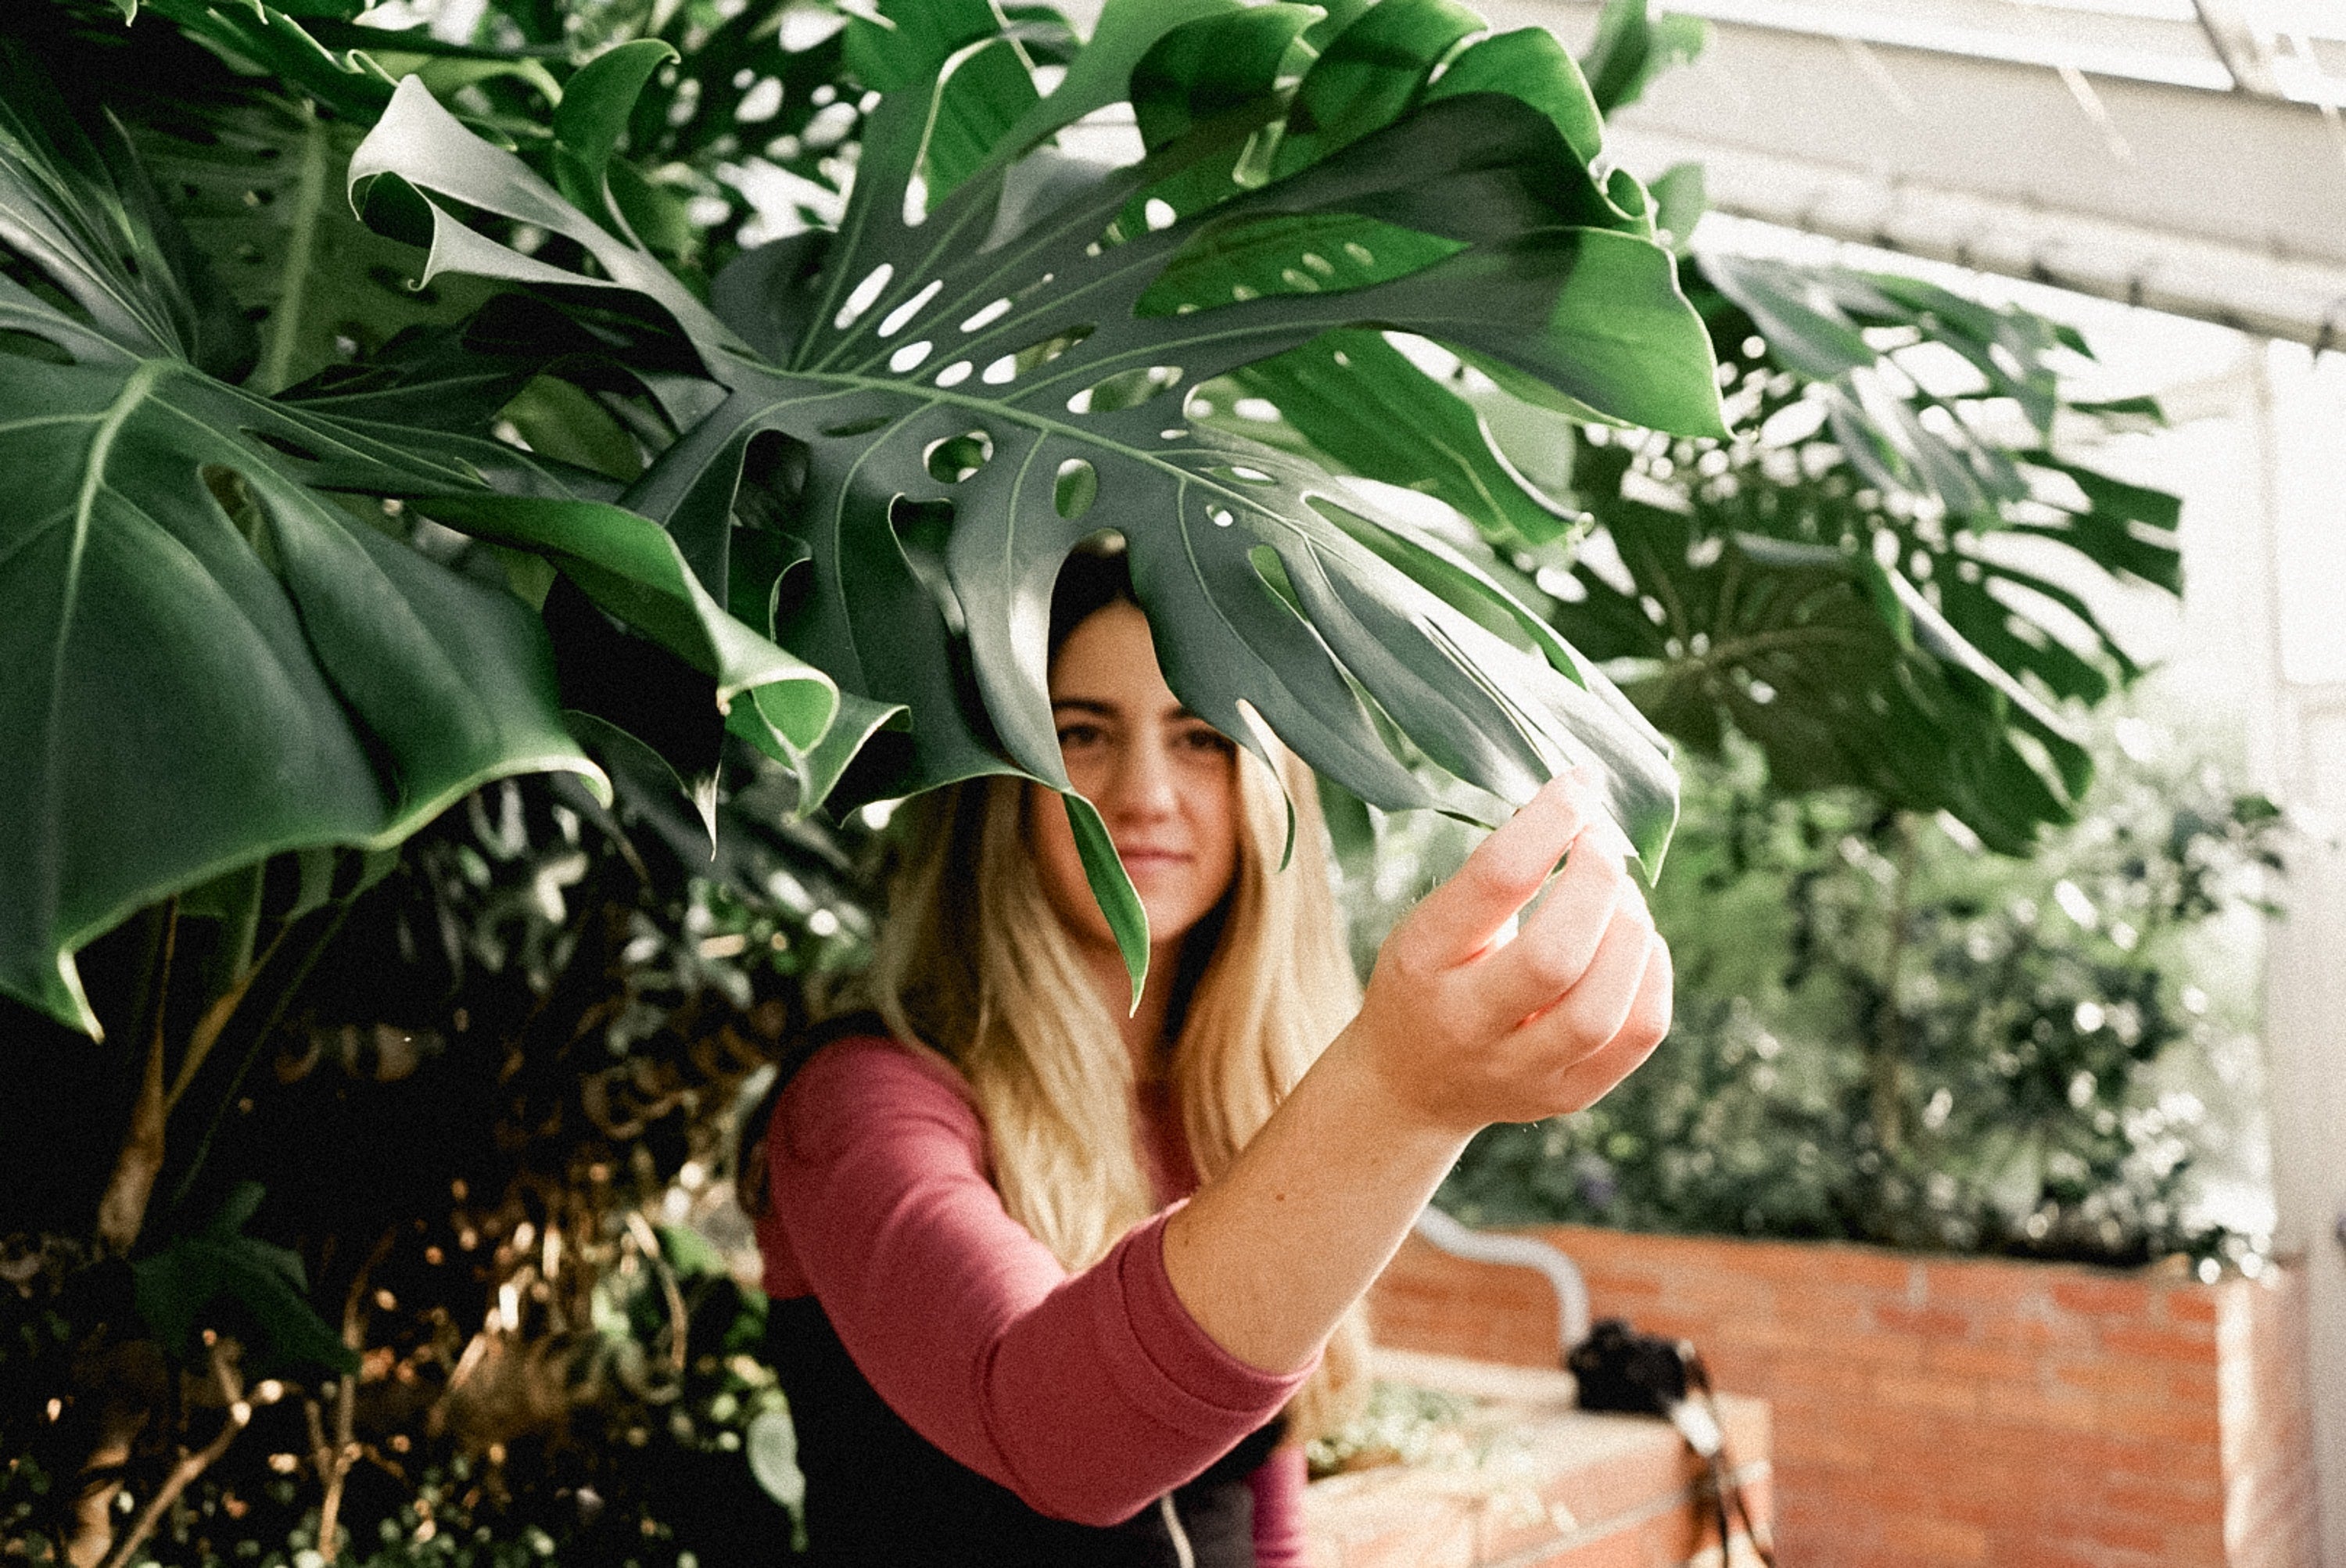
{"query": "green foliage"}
{"type": "Point", "coordinates": [1400, 1425]}
{"type": "Point", "coordinates": [210, 623]}
{"type": "Point", "coordinates": [1832, 581]}
{"type": "Point", "coordinates": [529, 1033]}
{"type": "Point", "coordinates": [1333, 180]}
{"type": "Point", "coordinates": [1835, 581]}
{"type": "Point", "coordinates": [1884, 1037]}
{"type": "Point", "coordinates": [352, 590]}
{"type": "Point", "coordinates": [179, 1285]}
{"type": "Point", "coordinates": [1633, 47]}
{"type": "Point", "coordinates": [959, 311]}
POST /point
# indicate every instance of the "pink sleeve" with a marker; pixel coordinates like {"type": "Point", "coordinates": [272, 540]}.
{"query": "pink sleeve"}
{"type": "Point", "coordinates": [1277, 1487]}
{"type": "Point", "coordinates": [1088, 1395]}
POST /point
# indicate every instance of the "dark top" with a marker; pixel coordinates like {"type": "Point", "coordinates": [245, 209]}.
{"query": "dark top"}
{"type": "Point", "coordinates": [880, 1495]}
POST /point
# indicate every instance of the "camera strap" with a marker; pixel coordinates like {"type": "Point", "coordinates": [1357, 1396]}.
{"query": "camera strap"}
{"type": "Point", "coordinates": [1620, 1370]}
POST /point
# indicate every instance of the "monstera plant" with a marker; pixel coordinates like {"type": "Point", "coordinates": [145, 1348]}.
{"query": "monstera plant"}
{"type": "Point", "coordinates": [1835, 582]}
{"type": "Point", "coordinates": [833, 503]}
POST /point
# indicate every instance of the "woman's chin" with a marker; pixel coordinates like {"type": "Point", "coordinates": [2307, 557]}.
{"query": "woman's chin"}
{"type": "Point", "coordinates": [1171, 925]}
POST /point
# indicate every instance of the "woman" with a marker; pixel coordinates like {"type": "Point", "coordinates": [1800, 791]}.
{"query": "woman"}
{"type": "Point", "coordinates": [1004, 1337]}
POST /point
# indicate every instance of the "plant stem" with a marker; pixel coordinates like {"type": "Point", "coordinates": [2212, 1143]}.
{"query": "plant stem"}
{"type": "Point", "coordinates": [1887, 1067]}
{"type": "Point", "coordinates": [215, 1019]}
{"type": "Point", "coordinates": [122, 1208]}
{"type": "Point", "coordinates": [334, 1461]}
{"type": "Point", "coordinates": [300, 256]}
{"type": "Point", "coordinates": [191, 1466]}
{"type": "Point", "coordinates": [306, 959]}
{"type": "Point", "coordinates": [678, 1323]}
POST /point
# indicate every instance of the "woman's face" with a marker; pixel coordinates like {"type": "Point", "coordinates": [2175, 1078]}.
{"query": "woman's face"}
{"type": "Point", "coordinates": [1164, 782]}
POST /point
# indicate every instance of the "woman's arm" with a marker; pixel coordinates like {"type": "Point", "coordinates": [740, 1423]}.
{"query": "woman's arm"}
{"type": "Point", "coordinates": [1088, 1395]}
{"type": "Point", "coordinates": [1463, 1026]}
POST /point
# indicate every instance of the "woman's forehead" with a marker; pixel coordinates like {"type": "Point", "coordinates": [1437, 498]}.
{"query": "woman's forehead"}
{"type": "Point", "coordinates": [1110, 662]}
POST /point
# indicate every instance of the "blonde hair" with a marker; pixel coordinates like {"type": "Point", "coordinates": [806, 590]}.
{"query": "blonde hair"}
{"type": "Point", "coordinates": [973, 963]}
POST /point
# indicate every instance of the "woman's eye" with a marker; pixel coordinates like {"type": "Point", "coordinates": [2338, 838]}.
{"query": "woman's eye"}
{"type": "Point", "coordinates": [1201, 738]}
{"type": "Point", "coordinates": [1077, 735]}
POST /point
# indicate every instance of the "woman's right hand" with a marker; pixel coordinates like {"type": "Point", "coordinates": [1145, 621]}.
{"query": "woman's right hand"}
{"type": "Point", "coordinates": [1469, 1021]}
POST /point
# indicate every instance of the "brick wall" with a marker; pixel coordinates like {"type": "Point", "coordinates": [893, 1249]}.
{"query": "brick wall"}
{"type": "Point", "coordinates": [1935, 1411]}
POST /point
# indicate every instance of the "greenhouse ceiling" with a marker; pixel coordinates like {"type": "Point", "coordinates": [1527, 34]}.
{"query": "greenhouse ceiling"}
{"type": "Point", "coordinates": [2186, 155]}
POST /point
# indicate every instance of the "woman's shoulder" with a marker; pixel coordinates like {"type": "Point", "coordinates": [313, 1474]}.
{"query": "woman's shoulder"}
{"type": "Point", "coordinates": [868, 1055]}
{"type": "Point", "coordinates": [859, 1076]}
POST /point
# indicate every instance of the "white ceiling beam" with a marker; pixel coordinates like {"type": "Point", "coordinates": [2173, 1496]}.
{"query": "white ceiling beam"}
{"type": "Point", "coordinates": [2227, 205]}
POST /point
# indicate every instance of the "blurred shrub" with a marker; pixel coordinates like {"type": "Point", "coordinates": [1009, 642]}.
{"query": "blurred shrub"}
{"type": "Point", "coordinates": [481, 1145]}
{"type": "Point", "coordinates": [1886, 1035]}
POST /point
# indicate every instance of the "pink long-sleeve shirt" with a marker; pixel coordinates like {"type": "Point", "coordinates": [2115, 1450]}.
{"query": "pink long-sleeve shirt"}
{"type": "Point", "coordinates": [1088, 1395]}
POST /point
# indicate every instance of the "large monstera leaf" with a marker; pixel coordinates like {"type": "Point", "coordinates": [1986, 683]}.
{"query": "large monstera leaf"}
{"type": "Point", "coordinates": [212, 660]}
{"type": "Point", "coordinates": [964, 393]}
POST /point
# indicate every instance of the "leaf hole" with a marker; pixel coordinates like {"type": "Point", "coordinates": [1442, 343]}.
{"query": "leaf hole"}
{"type": "Point", "coordinates": [893, 322]}
{"type": "Point", "coordinates": [1243, 475]}
{"type": "Point", "coordinates": [1222, 518]}
{"type": "Point", "coordinates": [1125, 389]}
{"type": "Point", "coordinates": [987, 316]}
{"type": "Point", "coordinates": [1274, 573]}
{"type": "Point", "coordinates": [909, 356]}
{"type": "Point", "coordinates": [1001, 372]}
{"type": "Point", "coordinates": [1043, 350]}
{"type": "Point", "coordinates": [1076, 489]}
{"type": "Point", "coordinates": [953, 374]}
{"type": "Point", "coordinates": [762, 103]}
{"type": "Point", "coordinates": [956, 457]}
{"type": "Point", "coordinates": [1160, 214]}
{"type": "Point", "coordinates": [921, 529]}
{"type": "Point", "coordinates": [866, 294]}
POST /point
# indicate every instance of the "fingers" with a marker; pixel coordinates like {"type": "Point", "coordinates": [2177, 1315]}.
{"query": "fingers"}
{"type": "Point", "coordinates": [1593, 1076]}
{"type": "Point", "coordinates": [1559, 942]}
{"type": "Point", "coordinates": [1460, 917]}
{"type": "Point", "coordinates": [1596, 1008]}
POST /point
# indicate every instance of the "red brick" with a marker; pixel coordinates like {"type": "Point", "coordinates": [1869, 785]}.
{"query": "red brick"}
{"type": "Point", "coordinates": [1922, 1540]}
{"type": "Point", "coordinates": [1985, 1362]}
{"type": "Point", "coordinates": [2102, 1298]}
{"type": "Point", "coordinates": [2073, 1412]}
{"type": "Point", "coordinates": [2195, 1342]}
{"type": "Point", "coordinates": [1958, 1396]}
{"type": "Point", "coordinates": [2095, 1391]}
{"type": "Point", "coordinates": [2190, 1306]}
{"type": "Point", "coordinates": [1925, 1322]}
{"type": "Point", "coordinates": [2121, 1380]}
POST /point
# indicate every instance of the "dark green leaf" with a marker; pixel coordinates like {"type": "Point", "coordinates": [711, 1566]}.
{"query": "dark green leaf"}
{"type": "Point", "coordinates": [178, 1290]}
{"type": "Point", "coordinates": [968, 398]}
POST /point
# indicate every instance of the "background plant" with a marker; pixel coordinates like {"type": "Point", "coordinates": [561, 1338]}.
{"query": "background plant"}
{"type": "Point", "coordinates": [1884, 1036]}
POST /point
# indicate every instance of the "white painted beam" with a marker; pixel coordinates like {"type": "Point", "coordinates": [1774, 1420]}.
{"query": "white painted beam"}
{"type": "Point", "coordinates": [2221, 205]}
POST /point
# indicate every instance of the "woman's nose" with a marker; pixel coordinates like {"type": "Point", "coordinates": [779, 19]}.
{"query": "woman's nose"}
{"type": "Point", "coordinates": [1143, 780]}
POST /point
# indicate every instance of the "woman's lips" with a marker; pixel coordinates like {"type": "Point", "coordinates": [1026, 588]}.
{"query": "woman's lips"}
{"type": "Point", "coordinates": [1148, 859]}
